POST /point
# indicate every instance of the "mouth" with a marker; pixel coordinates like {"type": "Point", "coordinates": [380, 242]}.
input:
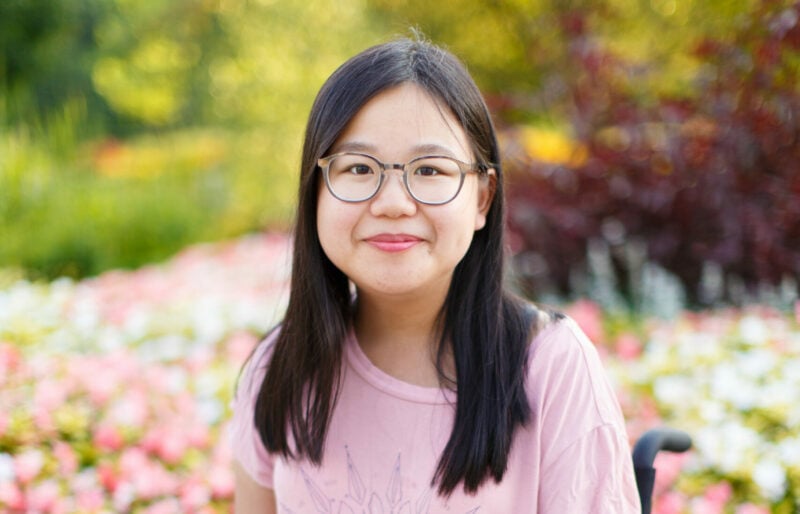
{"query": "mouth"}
{"type": "Point", "coordinates": [393, 242]}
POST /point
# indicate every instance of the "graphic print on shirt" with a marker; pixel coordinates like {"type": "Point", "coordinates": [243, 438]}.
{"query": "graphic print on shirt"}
{"type": "Point", "coordinates": [358, 500]}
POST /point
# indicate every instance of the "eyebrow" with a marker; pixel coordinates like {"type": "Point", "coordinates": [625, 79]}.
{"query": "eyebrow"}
{"type": "Point", "coordinates": [420, 149]}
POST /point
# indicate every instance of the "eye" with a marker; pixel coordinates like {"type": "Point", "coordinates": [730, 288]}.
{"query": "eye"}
{"type": "Point", "coordinates": [360, 169]}
{"type": "Point", "coordinates": [352, 166]}
{"type": "Point", "coordinates": [426, 171]}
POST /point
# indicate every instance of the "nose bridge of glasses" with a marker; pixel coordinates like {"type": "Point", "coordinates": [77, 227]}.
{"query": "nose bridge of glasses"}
{"type": "Point", "coordinates": [399, 171]}
{"type": "Point", "coordinates": [388, 166]}
{"type": "Point", "coordinates": [394, 169]}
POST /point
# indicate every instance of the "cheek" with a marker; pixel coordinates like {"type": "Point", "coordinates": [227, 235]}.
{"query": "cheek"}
{"type": "Point", "coordinates": [458, 229]}
{"type": "Point", "coordinates": [335, 222]}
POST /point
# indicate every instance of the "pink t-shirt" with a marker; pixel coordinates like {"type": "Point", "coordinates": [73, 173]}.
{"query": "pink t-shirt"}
{"type": "Point", "coordinates": [386, 436]}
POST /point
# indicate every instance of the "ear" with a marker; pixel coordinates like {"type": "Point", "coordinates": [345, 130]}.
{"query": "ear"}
{"type": "Point", "coordinates": [486, 191]}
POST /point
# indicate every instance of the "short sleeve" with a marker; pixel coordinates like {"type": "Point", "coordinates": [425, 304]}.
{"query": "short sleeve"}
{"type": "Point", "coordinates": [585, 459]}
{"type": "Point", "coordinates": [245, 442]}
{"type": "Point", "coordinates": [594, 474]}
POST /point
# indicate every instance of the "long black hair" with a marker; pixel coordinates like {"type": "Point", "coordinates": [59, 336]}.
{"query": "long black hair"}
{"type": "Point", "coordinates": [489, 344]}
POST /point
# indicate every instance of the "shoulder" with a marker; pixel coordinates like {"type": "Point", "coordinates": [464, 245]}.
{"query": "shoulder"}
{"type": "Point", "coordinates": [255, 366]}
{"type": "Point", "coordinates": [568, 388]}
{"type": "Point", "coordinates": [557, 336]}
{"type": "Point", "coordinates": [246, 445]}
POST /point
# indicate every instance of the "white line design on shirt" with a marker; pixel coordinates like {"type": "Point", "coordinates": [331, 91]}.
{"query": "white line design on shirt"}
{"type": "Point", "coordinates": [357, 494]}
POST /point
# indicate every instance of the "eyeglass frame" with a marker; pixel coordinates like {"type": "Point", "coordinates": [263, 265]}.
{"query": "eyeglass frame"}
{"type": "Point", "coordinates": [464, 167]}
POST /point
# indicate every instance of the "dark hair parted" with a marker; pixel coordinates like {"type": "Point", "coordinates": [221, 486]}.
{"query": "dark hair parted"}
{"type": "Point", "coordinates": [489, 344]}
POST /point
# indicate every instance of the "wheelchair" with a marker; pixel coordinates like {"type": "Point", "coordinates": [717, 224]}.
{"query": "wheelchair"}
{"type": "Point", "coordinates": [644, 454]}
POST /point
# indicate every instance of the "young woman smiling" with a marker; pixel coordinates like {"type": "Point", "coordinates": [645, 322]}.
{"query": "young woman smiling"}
{"type": "Point", "coordinates": [404, 378]}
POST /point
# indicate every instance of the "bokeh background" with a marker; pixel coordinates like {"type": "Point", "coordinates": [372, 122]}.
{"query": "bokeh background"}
{"type": "Point", "coordinates": [148, 162]}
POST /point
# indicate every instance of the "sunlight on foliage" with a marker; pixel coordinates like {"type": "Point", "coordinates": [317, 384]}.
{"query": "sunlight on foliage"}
{"type": "Point", "coordinates": [142, 87]}
{"type": "Point", "coordinates": [552, 146]}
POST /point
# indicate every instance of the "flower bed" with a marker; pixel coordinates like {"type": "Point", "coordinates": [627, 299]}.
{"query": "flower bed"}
{"type": "Point", "coordinates": [115, 390]}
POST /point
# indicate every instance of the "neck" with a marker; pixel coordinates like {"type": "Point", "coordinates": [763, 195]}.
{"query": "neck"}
{"type": "Point", "coordinates": [399, 335]}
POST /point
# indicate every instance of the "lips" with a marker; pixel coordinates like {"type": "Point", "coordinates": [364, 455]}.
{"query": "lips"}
{"type": "Point", "coordinates": [393, 242]}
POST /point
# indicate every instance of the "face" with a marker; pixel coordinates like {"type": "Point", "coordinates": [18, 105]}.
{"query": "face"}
{"type": "Point", "coordinates": [390, 244]}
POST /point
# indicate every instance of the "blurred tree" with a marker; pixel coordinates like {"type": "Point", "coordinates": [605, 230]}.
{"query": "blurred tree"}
{"type": "Point", "coordinates": [518, 47]}
{"type": "Point", "coordinates": [174, 63]}
{"type": "Point", "coordinates": [199, 107]}
{"type": "Point", "coordinates": [243, 64]}
{"type": "Point", "coordinates": [705, 183]}
{"type": "Point", "coordinates": [46, 54]}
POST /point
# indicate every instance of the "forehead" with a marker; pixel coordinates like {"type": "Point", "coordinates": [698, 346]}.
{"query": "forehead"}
{"type": "Point", "coordinates": [405, 120]}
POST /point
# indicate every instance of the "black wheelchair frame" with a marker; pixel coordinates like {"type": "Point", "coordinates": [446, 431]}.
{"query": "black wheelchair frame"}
{"type": "Point", "coordinates": [644, 454]}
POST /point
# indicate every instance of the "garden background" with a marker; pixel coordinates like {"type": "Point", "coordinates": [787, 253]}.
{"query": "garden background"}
{"type": "Point", "coordinates": [148, 156]}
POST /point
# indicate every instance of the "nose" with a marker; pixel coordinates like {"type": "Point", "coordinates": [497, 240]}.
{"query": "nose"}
{"type": "Point", "coordinates": [393, 200]}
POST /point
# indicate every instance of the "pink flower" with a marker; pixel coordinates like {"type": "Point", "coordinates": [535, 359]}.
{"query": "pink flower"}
{"type": "Point", "coordinates": [11, 496]}
{"type": "Point", "coordinates": [66, 457]}
{"type": "Point", "coordinates": [668, 468]}
{"type": "Point", "coordinates": [714, 499]}
{"type": "Point", "coordinates": [90, 500]}
{"type": "Point", "coordinates": [131, 410]}
{"type": "Point", "coordinates": [749, 508]}
{"type": "Point", "coordinates": [100, 381]}
{"type": "Point", "coordinates": [10, 359]}
{"type": "Point", "coordinates": [153, 480]}
{"type": "Point", "coordinates": [220, 478]}
{"type": "Point", "coordinates": [107, 437]}
{"type": "Point", "coordinates": [169, 444]}
{"type": "Point", "coordinates": [628, 347]}
{"type": "Point", "coordinates": [50, 394]}
{"type": "Point", "coordinates": [107, 476]}
{"type": "Point", "coordinates": [589, 317]}
{"type": "Point", "coordinates": [797, 311]}
{"type": "Point", "coordinates": [719, 493]}
{"type": "Point", "coordinates": [239, 345]}
{"type": "Point", "coordinates": [669, 503]}
{"type": "Point", "coordinates": [197, 435]}
{"type": "Point", "coordinates": [194, 495]}
{"type": "Point", "coordinates": [43, 497]}
{"type": "Point", "coordinates": [27, 465]}
{"type": "Point", "coordinates": [132, 462]}
{"type": "Point", "coordinates": [172, 448]}
{"type": "Point", "coordinates": [170, 506]}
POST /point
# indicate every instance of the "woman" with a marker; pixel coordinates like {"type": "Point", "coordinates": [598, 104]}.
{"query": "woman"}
{"type": "Point", "coordinates": [404, 377]}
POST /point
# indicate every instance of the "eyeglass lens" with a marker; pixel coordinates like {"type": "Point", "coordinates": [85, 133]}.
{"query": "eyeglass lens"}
{"type": "Point", "coordinates": [429, 179]}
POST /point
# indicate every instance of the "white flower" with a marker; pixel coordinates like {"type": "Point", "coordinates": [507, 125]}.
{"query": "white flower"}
{"type": "Point", "coordinates": [711, 412]}
{"type": "Point", "coordinates": [758, 363]}
{"type": "Point", "coordinates": [673, 390]}
{"type": "Point", "coordinates": [210, 410]}
{"type": "Point", "coordinates": [731, 446]}
{"type": "Point", "coordinates": [6, 468]}
{"type": "Point", "coordinates": [209, 320]}
{"type": "Point", "coordinates": [770, 477]}
{"type": "Point", "coordinates": [789, 450]}
{"type": "Point", "coordinates": [124, 496]}
{"type": "Point", "coordinates": [753, 330]}
{"type": "Point", "coordinates": [700, 347]}
{"type": "Point", "coordinates": [728, 384]}
{"type": "Point", "coordinates": [177, 379]}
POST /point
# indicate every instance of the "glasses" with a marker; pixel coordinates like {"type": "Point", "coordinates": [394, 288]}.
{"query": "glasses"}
{"type": "Point", "coordinates": [432, 179]}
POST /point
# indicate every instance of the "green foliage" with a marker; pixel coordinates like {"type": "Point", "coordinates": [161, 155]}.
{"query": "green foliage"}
{"type": "Point", "coordinates": [76, 209]}
{"type": "Point", "coordinates": [131, 129]}
{"type": "Point", "coordinates": [46, 53]}
{"type": "Point", "coordinates": [519, 47]}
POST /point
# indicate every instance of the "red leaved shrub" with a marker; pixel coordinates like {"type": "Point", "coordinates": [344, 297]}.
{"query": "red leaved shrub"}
{"type": "Point", "coordinates": [710, 178]}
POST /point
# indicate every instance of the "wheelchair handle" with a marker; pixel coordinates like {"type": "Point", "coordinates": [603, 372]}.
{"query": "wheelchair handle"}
{"type": "Point", "coordinates": [657, 439]}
